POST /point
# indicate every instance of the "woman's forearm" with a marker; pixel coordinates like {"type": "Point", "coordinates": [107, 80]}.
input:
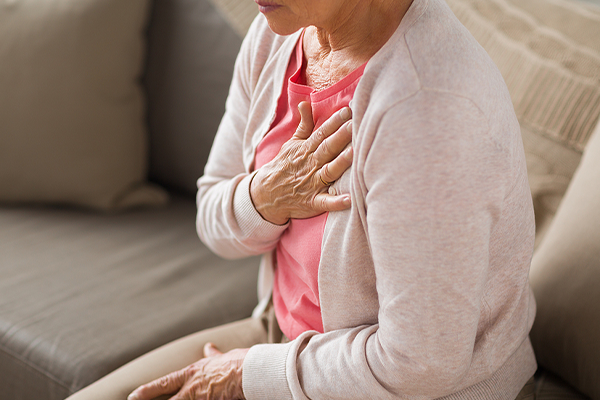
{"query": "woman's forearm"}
{"type": "Point", "coordinates": [227, 222]}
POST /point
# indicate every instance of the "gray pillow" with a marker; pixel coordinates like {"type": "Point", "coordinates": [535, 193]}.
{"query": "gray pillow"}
{"type": "Point", "coordinates": [71, 107]}
{"type": "Point", "coordinates": [192, 50]}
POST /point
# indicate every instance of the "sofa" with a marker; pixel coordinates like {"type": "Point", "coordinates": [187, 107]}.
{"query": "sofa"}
{"type": "Point", "coordinates": [108, 109]}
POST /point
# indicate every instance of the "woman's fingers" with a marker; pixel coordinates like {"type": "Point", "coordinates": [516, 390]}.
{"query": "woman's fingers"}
{"type": "Point", "coordinates": [332, 171]}
{"type": "Point", "coordinates": [293, 184]}
{"type": "Point", "coordinates": [305, 129]}
{"type": "Point", "coordinates": [329, 127]}
{"type": "Point", "coordinates": [166, 385]}
{"type": "Point", "coordinates": [331, 147]}
{"type": "Point", "coordinates": [210, 350]}
{"type": "Point", "coordinates": [216, 376]}
{"type": "Point", "coordinates": [325, 202]}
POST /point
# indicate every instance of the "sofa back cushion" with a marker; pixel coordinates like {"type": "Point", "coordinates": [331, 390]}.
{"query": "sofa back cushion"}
{"type": "Point", "coordinates": [192, 50]}
{"type": "Point", "coordinates": [549, 54]}
{"type": "Point", "coordinates": [240, 13]}
{"type": "Point", "coordinates": [565, 277]}
{"type": "Point", "coordinates": [71, 106]}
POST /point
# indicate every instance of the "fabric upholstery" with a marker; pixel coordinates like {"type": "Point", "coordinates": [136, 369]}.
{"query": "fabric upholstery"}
{"type": "Point", "coordinates": [549, 387]}
{"type": "Point", "coordinates": [239, 13]}
{"type": "Point", "coordinates": [549, 55]}
{"type": "Point", "coordinates": [565, 276]}
{"type": "Point", "coordinates": [191, 54]}
{"type": "Point", "coordinates": [71, 107]}
{"type": "Point", "coordinates": [83, 293]}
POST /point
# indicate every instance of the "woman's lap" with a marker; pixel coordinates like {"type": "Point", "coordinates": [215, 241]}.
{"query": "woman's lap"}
{"type": "Point", "coordinates": [172, 357]}
{"type": "Point", "coordinates": [182, 352]}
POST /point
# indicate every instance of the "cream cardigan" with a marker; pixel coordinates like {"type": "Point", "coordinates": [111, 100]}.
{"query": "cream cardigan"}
{"type": "Point", "coordinates": [424, 282]}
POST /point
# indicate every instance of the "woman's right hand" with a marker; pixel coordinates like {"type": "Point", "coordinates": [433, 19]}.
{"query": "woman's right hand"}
{"type": "Point", "coordinates": [294, 183]}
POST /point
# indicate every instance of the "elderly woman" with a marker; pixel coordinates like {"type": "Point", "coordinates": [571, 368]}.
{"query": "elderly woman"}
{"type": "Point", "coordinates": [370, 151]}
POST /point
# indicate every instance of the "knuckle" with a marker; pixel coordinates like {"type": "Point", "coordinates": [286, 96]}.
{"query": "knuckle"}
{"type": "Point", "coordinates": [323, 202]}
{"type": "Point", "coordinates": [325, 174]}
{"type": "Point", "coordinates": [303, 127]}
{"type": "Point", "coordinates": [190, 370]}
{"type": "Point", "coordinates": [326, 147]}
{"type": "Point", "coordinates": [320, 134]}
{"type": "Point", "coordinates": [164, 382]}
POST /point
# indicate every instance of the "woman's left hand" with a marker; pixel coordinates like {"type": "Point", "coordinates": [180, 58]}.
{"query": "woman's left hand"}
{"type": "Point", "coordinates": [216, 376]}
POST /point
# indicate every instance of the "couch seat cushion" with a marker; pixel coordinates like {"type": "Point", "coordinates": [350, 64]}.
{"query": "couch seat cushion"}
{"type": "Point", "coordinates": [82, 293]}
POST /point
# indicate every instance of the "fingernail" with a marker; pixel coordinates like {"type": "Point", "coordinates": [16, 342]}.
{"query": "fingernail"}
{"type": "Point", "coordinates": [345, 113]}
{"type": "Point", "coordinates": [132, 396]}
{"type": "Point", "coordinates": [349, 126]}
{"type": "Point", "coordinates": [346, 201]}
{"type": "Point", "coordinates": [348, 152]}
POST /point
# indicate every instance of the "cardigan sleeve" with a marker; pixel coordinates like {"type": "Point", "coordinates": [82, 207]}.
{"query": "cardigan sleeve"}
{"type": "Point", "coordinates": [227, 221]}
{"type": "Point", "coordinates": [436, 178]}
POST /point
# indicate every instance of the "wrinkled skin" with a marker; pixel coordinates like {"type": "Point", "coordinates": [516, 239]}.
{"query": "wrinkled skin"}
{"type": "Point", "coordinates": [217, 376]}
{"type": "Point", "coordinates": [291, 185]}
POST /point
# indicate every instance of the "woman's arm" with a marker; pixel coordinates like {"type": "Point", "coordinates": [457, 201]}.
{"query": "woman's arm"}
{"type": "Point", "coordinates": [227, 221]}
{"type": "Point", "coordinates": [436, 183]}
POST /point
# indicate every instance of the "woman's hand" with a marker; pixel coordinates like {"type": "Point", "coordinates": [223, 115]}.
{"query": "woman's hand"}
{"type": "Point", "coordinates": [216, 376]}
{"type": "Point", "coordinates": [295, 183]}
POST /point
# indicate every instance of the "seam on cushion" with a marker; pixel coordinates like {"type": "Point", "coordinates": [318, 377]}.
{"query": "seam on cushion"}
{"type": "Point", "coordinates": [36, 368]}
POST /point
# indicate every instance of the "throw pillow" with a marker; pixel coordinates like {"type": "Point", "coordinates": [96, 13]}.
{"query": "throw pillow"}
{"type": "Point", "coordinates": [549, 54]}
{"type": "Point", "coordinates": [565, 277]}
{"type": "Point", "coordinates": [71, 107]}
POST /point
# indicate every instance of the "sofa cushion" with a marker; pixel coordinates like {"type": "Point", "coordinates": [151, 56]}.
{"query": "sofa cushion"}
{"type": "Point", "coordinates": [83, 293]}
{"type": "Point", "coordinates": [239, 13]}
{"type": "Point", "coordinates": [565, 277]}
{"type": "Point", "coordinates": [192, 50]}
{"type": "Point", "coordinates": [71, 105]}
{"type": "Point", "coordinates": [549, 55]}
{"type": "Point", "coordinates": [550, 387]}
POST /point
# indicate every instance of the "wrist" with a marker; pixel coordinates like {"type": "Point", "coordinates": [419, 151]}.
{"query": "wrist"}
{"type": "Point", "coordinates": [240, 373]}
{"type": "Point", "coordinates": [260, 200]}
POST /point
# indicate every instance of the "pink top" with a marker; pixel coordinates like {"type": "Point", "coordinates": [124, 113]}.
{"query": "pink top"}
{"type": "Point", "coordinates": [296, 290]}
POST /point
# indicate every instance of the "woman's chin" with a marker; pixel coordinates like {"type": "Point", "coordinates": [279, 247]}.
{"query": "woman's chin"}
{"type": "Point", "coordinates": [279, 26]}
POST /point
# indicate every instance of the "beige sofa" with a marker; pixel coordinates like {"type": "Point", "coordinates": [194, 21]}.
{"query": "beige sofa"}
{"type": "Point", "coordinates": [107, 112]}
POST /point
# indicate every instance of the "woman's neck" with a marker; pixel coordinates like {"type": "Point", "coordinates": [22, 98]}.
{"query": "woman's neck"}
{"type": "Point", "coordinates": [335, 49]}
